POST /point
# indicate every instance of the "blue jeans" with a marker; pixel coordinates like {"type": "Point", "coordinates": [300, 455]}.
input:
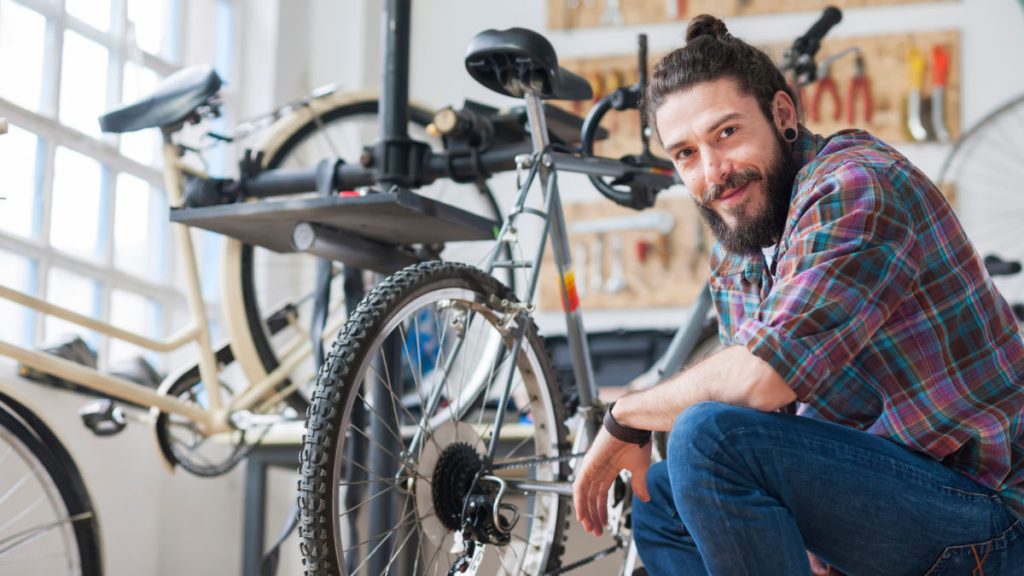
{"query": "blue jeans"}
{"type": "Point", "coordinates": [748, 492]}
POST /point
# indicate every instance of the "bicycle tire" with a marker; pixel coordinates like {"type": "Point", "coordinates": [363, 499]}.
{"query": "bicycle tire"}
{"type": "Point", "coordinates": [983, 172]}
{"type": "Point", "coordinates": [393, 308]}
{"type": "Point", "coordinates": [288, 147]}
{"type": "Point", "coordinates": [708, 343]}
{"type": "Point", "coordinates": [32, 450]}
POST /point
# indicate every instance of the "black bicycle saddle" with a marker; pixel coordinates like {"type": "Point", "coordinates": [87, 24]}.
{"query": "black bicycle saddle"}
{"type": "Point", "coordinates": [174, 99]}
{"type": "Point", "coordinates": [517, 60]}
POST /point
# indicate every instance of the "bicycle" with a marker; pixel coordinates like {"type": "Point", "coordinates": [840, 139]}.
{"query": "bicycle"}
{"type": "Point", "coordinates": [417, 460]}
{"type": "Point", "coordinates": [200, 422]}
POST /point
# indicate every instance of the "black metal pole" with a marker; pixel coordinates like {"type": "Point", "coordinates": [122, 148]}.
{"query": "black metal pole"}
{"type": "Point", "coordinates": [394, 98]}
{"type": "Point", "coordinates": [394, 101]}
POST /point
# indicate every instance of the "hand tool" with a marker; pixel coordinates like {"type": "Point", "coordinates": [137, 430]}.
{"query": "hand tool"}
{"type": "Point", "coordinates": [612, 15]}
{"type": "Point", "coordinates": [580, 255]}
{"type": "Point", "coordinates": [675, 9]}
{"type": "Point", "coordinates": [940, 75]}
{"type": "Point", "coordinates": [916, 66]}
{"type": "Point", "coordinates": [597, 263]}
{"type": "Point", "coordinates": [617, 279]}
{"type": "Point", "coordinates": [860, 85]}
{"type": "Point", "coordinates": [825, 85]}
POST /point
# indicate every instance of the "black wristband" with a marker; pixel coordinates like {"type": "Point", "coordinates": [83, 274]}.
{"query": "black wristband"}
{"type": "Point", "coordinates": [625, 433]}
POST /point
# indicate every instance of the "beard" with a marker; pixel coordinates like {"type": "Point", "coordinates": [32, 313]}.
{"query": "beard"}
{"type": "Point", "coordinates": [752, 232]}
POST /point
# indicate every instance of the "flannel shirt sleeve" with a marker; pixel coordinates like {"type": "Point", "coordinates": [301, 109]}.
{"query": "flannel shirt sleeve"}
{"type": "Point", "coordinates": [850, 262]}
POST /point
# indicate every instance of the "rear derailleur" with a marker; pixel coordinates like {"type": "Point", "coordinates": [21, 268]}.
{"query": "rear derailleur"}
{"type": "Point", "coordinates": [485, 521]}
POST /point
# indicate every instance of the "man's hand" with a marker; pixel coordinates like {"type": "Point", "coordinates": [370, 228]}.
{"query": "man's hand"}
{"type": "Point", "coordinates": [603, 462]}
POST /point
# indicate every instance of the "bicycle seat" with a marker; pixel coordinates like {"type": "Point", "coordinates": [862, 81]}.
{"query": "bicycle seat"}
{"type": "Point", "coordinates": [174, 99]}
{"type": "Point", "coordinates": [515, 61]}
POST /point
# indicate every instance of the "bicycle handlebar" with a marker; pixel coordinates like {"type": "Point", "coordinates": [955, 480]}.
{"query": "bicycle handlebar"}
{"type": "Point", "coordinates": [810, 42]}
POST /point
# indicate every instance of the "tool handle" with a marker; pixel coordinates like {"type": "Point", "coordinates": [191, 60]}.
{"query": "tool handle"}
{"type": "Point", "coordinates": [916, 65]}
{"type": "Point", "coordinates": [829, 18]}
{"type": "Point", "coordinates": [940, 65]}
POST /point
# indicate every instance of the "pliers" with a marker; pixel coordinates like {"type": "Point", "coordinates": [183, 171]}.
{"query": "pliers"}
{"type": "Point", "coordinates": [859, 85]}
{"type": "Point", "coordinates": [825, 85]}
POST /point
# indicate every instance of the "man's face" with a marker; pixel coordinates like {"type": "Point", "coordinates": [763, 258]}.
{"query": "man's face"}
{"type": "Point", "coordinates": [732, 160]}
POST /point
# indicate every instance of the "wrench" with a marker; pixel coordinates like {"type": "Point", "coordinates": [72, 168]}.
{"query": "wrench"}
{"type": "Point", "coordinates": [612, 15]}
{"type": "Point", "coordinates": [617, 279]}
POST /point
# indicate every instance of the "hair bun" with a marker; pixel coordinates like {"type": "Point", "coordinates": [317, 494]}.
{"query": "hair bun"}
{"type": "Point", "coordinates": [707, 25]}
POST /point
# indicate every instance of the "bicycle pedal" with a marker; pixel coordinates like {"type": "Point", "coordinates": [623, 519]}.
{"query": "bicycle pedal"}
{"type": "Point", "coordinates": [104, 417]}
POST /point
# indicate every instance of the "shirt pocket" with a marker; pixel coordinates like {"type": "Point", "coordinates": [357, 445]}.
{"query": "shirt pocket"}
{"type": "Point", "coordinates": [736, 292]}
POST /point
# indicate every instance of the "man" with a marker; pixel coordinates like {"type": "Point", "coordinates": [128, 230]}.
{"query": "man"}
{"type": "Point", "coordinates": [842, 279]}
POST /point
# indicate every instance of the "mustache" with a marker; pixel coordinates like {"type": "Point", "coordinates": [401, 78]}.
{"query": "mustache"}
{"type": "Point", "coordinates": [732, 182]}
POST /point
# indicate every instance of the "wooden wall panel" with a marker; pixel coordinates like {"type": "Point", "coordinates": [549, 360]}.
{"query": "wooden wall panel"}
{"type": "Point", "coordinates": [564, 14]}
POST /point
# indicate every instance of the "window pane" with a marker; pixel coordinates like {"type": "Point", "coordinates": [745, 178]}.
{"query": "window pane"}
{"type": "Point", "coordinates": [83, 85]}
{"type": "Point", "coordinates": [95, 13]}
{"type": "Point", "coordinates": [18, 149]}
{"type": "Point", "coordinates": [144, 145]}
{"type": "Point", "coordinates": [75, 212]}
{"type": "Point", "coordinates": [139, 240]}
{"type": "Point", "coordinates": [156, 26]}
{"type": "Point", "coordinates": [137, 314]}
{"type": "Point", "coordinates": [22, 37]}
{"type": "Point", "coordinates": [224, 43]}
{"type": "Point", "coordinates": [16, 272]}
{"type": "Point", "coordinates": [76, 293]}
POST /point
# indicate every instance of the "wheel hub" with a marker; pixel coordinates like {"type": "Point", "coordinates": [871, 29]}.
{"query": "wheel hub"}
{"type": "Point", "coordinates": [452, 480]}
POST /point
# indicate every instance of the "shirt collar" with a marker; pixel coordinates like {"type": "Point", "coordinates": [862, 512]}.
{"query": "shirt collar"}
{"type": "Point", "coordinates": [806, 146]}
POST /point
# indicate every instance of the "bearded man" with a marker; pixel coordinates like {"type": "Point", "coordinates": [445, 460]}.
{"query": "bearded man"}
{"type": "Point", "coordinates": [843, 280]}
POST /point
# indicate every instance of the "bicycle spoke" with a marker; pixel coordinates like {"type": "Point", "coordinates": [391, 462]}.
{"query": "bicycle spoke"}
{"type": "Point", "coordinates": [442, 362]}
{"type": "Point", "coordinates": [13, 520]}
{"type": "Point", "coordinates": [17, 485]}
{"type": "Point", "coordinates": [404, 409]}
{"type": "Point", "coordinates": [17, 539]}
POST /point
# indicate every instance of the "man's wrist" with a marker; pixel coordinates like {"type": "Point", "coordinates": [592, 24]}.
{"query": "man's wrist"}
{"type": "Point", "coordinates": [625, 433]}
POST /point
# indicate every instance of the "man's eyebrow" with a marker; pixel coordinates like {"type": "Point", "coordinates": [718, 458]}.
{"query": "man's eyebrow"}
{"type": "Point", "coordinates": [728, 117]}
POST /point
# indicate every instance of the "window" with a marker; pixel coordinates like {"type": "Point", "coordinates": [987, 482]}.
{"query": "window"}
{"type": "Point", "coordinates": [83, 222]}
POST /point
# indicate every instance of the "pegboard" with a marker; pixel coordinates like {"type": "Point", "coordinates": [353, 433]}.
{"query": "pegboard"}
{"type": "Point", "coordinates": [885, 65]}
{"type": "Point", "coordinates": [671, 273]}
{"type": "Point", "coordinates": [563, 14]}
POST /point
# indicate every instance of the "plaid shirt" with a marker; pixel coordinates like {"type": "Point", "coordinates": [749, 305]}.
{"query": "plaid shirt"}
{"type": "Point", "coordinates": [880, 315]}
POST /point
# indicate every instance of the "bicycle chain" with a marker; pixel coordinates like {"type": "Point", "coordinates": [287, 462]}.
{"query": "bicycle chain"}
{"type": "Point", "coordinates": [528, 462]}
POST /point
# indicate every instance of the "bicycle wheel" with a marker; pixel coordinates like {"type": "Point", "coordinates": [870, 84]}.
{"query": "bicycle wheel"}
{"type": "Point", "coordinates": [371, 500]}
{"type": "Point", "coordinates": [47, 522]}
{"type": "Point", "coordinates": [278, 288]}
{"type": "Point", "coordinates": [984, 173]}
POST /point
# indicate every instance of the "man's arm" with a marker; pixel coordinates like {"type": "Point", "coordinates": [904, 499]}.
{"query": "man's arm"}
{"type": "Point", "coordinates": [733, 376]}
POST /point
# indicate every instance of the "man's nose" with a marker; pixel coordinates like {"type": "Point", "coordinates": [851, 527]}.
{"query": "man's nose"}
{"type": "Point", "coordinates": [716, 169]}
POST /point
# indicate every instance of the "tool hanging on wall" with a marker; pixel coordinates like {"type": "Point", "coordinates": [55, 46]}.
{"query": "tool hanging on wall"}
{"type": "Point", "coordinates": [580, 255]}
{"type": "Point", "coordinates": [940, 75]}
{"type": "Point", "coordinates": [617, 278]}
{"type": "Point", "coordinates": [597, 263]}
{"type": "Point", "coordinates": [915, 98]}
{"type": "Point", "coordinates": [860, 90]}
{"type": "Point", "coordinates": [827, 85]}
{"type": "Point", "coordinates": [675, 9]}
{"type": "Point", "coordinates": [611, 16]}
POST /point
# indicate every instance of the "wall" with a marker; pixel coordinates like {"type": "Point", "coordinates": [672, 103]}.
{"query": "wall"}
{"type": "Point", "coordinates": [990, 31]}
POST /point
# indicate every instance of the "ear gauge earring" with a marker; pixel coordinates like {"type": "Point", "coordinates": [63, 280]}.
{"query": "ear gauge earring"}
{"type": "Point", "coordinates": [789, 134]}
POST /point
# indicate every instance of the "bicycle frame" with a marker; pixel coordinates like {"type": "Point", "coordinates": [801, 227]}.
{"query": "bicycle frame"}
{"type": "Point", "coordinates": [213, 419]}
{"type": "Point", "coordinates": [545, 164]}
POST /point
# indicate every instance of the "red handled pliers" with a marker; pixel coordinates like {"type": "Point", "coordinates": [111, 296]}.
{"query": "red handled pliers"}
{"type": "Point", "coordinates": [860, 85]}
{"type": "Point", "coordinates": [825, 85]}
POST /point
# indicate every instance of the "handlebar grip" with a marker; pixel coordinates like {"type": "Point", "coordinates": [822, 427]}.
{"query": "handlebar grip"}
{"type": "Point", "coordinates": [998, 267]}
{"type": "Point", "coordinates": [829, 18]}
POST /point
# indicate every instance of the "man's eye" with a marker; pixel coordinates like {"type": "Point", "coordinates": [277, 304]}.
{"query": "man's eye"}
{"type": "Point", "coordinates": [685, 153]}
{"type": "Point", "coordinates": [728, 131]}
